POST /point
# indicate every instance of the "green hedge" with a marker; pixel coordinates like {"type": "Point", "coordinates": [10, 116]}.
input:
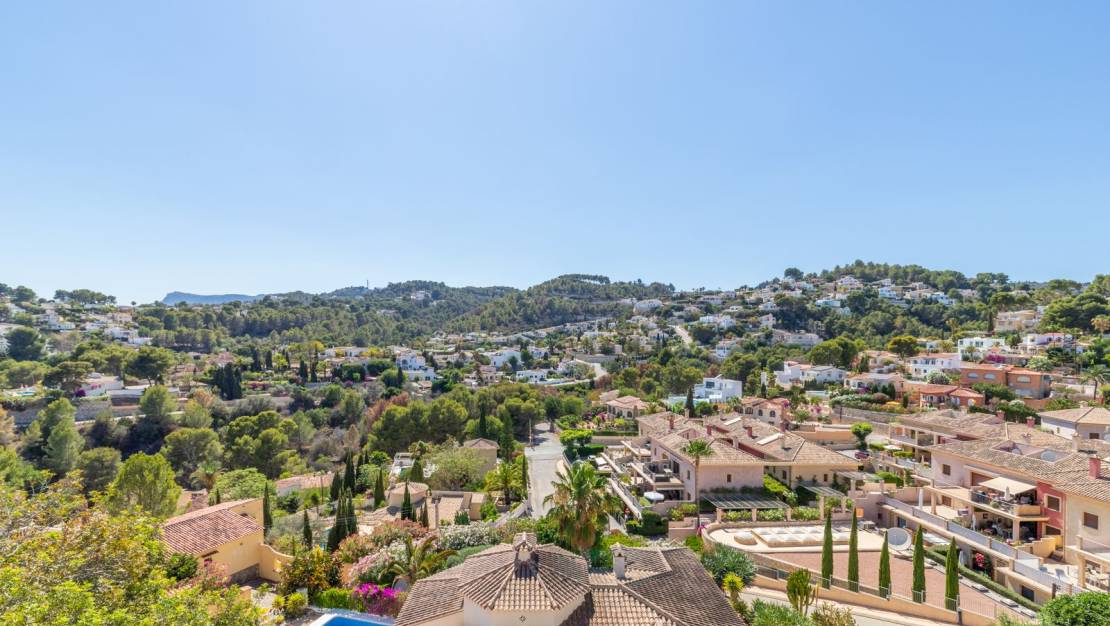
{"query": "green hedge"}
{"type": "Point", "coordinates": [940, 556]}
{"type": "Point", "coordinates": [652, 524]}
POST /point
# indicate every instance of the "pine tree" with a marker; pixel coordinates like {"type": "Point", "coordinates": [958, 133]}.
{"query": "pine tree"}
{"type": "Point", "coordinates": [424, 516]}
{"type": "Point", "coordinates": [416, 472]}
{"type": "Point", "coordinates": [919, 566]}
{"type": "Point", "coordinates": [379, 488]}
{"type": "Point", "coordinates": [406, 505]}
{"type": "Point", "coordinates": [336, 486]}
{"type": "Point", "coordinates": [306, 530]}
{"type": "Point", "coordinates": [853, 555]}
{"type": "Point", "coordinates": [884, 568]}
{"type": "Point", "coordinates": [827, 553]}
{"type": "Point", "coordinates": [952, 576]}
{"type": "Point", "coordinates": [267, 514]}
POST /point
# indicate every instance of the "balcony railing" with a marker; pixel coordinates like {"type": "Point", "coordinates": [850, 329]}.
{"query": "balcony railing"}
{"type": "Point", "coordinates": [1009, 506]}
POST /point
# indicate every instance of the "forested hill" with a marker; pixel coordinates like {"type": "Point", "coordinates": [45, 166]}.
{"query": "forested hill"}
{"type": "Point", "coordinates": [568, 298]}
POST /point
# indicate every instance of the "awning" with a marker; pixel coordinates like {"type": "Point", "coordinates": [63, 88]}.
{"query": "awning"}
{"type": "Point", "coordinates": [1007, 485]}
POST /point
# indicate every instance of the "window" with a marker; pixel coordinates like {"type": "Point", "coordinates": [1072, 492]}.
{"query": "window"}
{"type": "Point", "coordinates": [1092, 436]}
{"type": "Point", "coordinates": [1051, 530]}
{"type": "Point", "coordinates": [728, 478]}
{"type": "Point", "coordinates": [772, 413]}
{"type": "Point", "coordinates": [1052, 503]}
{"type": "Point", "coordinates": [1023, 379]}
{"type": "Point", "coordinates": [1090, 520]}
{"type": "Point", "coordinates": [946, 469]}
{"type": "Point", "coordinates": [972, 375]}
{"type": "Point", "coordinates": [687, 474]}
{"type": "Point", "coordinates": [824, 478]}
{"type": "Point", "coordinates": [989, 376]}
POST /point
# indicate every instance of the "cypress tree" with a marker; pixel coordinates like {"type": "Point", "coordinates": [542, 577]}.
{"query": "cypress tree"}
{"type": "Point", "coordinates": [483, 428]}
{"type": "Point", "coordinates": [336, 486]}
{"type": "Point", "coordinates": [406, 505]}
{"type": "Point", "coordinates": [884, 568]}
{"type": "Point", "coordinates": [424, 516]}
{"type": "Point", "coordinates": [416, 472]}
{"type": "Point", "coordinates": [853, 555]}
{"type": "Point", "coordinates": [217, 495]}
{"type": "Point", "coordinates": [267, 514]}
{"type": "Point", "coordinates": [306, 530]}
{"type": "Point", "coordinates": [827, 553]}
{"type": "Point", "coordinates": [379, 488]}
{"type": "Point", "coordinates": [352, 517]}
{"type": "Point", "coordinates": [269, 359]}
{"type": "Point", "coordinates": [333, 532]}
{"type": "Point", "coordinates": [349, 474]}
{"type": "Point", "coordinates": [919, 566]}
{"type": "Point", "coordinates": [302, 371]}
{"type": "Point", "coordinates": [523, 476]}
{"type": "Point", "coordinates": [690, 402]}
{"type": "Point", "coordinates": [952, 577]}
{"type": "Point", "coordinates": [507, 444]}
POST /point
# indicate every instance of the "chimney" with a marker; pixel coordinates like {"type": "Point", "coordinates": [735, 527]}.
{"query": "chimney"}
{"type": "Point", "coordinates": [708, 430]}
{"type": "Point", "coordinates": [748, 429]}
{"type": "Point", "coordinates": [1030, 422]}
{"type": "Point", "coordinates": [670, 421]}
{"type": "Point", "coordinates": [618, 561]}
{"type": "Point", "coordinates": [1094, 466]}
{"type": "Point", "coordinates": [1000, 415]}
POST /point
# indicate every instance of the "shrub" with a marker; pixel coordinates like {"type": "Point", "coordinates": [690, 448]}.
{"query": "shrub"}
{"type": "Point", "coordinates": [683, 511]}
{"type": "Point", "coordinates": [768, 614]}
{"type": "Point", "coordinates": [805, 513]}
{"type": "Point", "coordinates": [354, 548]}
{"type": "Point", "coordinates": [335, 598]}
{"type": "Point", "coordinates": [695, 543]}
{"type": "Point", "coordinates": [890, 477]}
{"type": "Point", "coordinates": [800, 590]}
{"type": "Point", "coordinates": [827, 614]}
{"type": "Point", "coordinates": [468, 536]}
{"type": "Point", "coordinates": [721, 560]}
{"type": "Point", "coordinates": [601, 555]}
{"type": "Point", "coordinates": [461, 555]}
{"type": "Point", "coordinates": [776, 488]}
{"type": "Point", "coordinates": [770, 515]}
{"type": "Point", "coordinates": [378, 600]}
{"type": "Point", "coordinates": [293, 605]}
{"type": "Point", "coordinates": [489, 510]}
{"type": "Point", "coordinates": [290, 502]}
{"type": "Point", "coordinates": [462, 518]}
{"type": "Point", "coordinates": [312, 569]}
{"type": "Point", "coordinates": [652, 524]}
{"type": "Point", "coordinates": [1090, 608]}
{"type": "Point", "coordinates": [396, 530]}
{"type": "Point", "coordinates": [181, 566]}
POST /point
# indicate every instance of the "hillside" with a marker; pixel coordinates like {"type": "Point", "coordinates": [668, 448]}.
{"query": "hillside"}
{"type": "Point", "coordinates": [175, 297]}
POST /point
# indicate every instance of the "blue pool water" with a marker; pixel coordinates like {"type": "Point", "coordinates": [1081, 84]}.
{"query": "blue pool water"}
{"type": "Point", "coordinates": [351, 620]}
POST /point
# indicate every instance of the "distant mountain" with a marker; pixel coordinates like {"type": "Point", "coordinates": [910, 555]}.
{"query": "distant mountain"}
{"type": "Point", "coordinates": [175, 297]}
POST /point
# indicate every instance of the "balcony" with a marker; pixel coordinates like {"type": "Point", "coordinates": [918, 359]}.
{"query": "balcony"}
{"type": "Point", "coordinates": [1015, 506]}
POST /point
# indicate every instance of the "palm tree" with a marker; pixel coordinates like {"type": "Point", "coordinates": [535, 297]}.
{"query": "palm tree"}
{"type": "Point", "coordinates": [580, 503]}
{"type": "Point", "coordinates": [207, 473]}
{"type": "Point", "coordinates": [419, 560]}
{"type": "Point", "coordinates": [1097, 374]}
{"type": "Point", "coordinates": [697, 450]}
{"type": "Point", "coordinates": [503, 479]}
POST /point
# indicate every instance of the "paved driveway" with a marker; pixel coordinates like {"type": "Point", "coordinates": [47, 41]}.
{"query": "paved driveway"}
{"type": "Point", "coordinates": [543, 463]}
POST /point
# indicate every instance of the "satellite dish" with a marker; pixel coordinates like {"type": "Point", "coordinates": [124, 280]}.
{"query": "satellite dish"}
{"type": "Point", "coordinates": [1048, 455]}
{"type": "Point", "coordinates": [899, 539]}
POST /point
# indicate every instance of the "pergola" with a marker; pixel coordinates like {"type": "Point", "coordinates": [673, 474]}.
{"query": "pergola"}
{"type": "Point", "coordinates": [822, 492]}
{"type": "Point", "coordinates": [740, 502]}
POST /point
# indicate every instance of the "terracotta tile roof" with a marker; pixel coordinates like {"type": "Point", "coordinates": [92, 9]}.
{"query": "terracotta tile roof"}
{"type": "Point", "coordinates": [479, 443]}
{"type": "Point", "coordinates": [1083, 415]}
{"type": "Point", "coordinates": [663, 587]}
{"type": "Point", "coordinates": [204, 530]}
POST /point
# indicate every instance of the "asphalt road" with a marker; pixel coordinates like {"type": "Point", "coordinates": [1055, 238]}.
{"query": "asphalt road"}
{"type": "Point", "coordinates": [683, 334]}
{"type": "Point", "coordinates": [543, 463]}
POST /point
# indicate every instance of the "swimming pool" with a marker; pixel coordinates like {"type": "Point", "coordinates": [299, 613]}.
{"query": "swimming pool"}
{"type": "Point", "coordinates": [349, 618]}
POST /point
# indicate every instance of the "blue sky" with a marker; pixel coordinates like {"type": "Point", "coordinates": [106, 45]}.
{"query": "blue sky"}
{"type": "Point", "coordinates": [272, 146]}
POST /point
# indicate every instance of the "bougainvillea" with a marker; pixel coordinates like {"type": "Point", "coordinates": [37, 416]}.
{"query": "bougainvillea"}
{"type": "Point", "coordinates": [378, 600]}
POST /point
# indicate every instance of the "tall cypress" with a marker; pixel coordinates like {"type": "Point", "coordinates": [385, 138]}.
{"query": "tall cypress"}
{"type": "Point", "coordinates": [306, 530]}
{"type": "Point", "coordinates": [379, 488]}
{"type": "Point", "coordinates": [853, 555]}
{"type": "Point", "coordinates": [424, 516]}
{"type": "Point", "coordinates": [406, 505]}
{"type": "Point", "coordinates": [349, 474]}
{"type": "Point", "coordinates": [827, 553]}
{"type": "Point", "coordinates": [352, 517]}
{"type": "Point", "coordinates": [217, 495]}
{"type": "Point", "coordinates": [416, 472]}
{"type": "Point", "coordinates": [302, 371]}
{"type": "Point", "coordinates": [267, 514]}
{"type": "Point", "coordinates": [884, 568]}
{"type": "Point", "coordinates": [952, 577]}
{"type": "Point", "coordinates": [919, 566]}
{"type": "Point", "coordinates": [690, 402]}
{"type": "Point", "coordinates": [507, 443]}
{"type": "Point", "coordinates": [336, 486]}
{"type": "Point", "coordinates": [483, 428]}
{"type": "Point", "coordinates": [523, 476]}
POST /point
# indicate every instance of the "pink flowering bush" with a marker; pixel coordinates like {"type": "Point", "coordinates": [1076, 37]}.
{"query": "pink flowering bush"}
{"type": "Point", "coordinates": [379, 600]}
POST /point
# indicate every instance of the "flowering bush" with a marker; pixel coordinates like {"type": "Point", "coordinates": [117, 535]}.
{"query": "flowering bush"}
{"type": "Point", "coordinates": [378, 600]}
{"type": "Point", "coordinates": [459, 537]}
{"type": "Point", "coordinates": [396, 530]}
{"type": "Point", "coordinates": [369, 569]}
{"type": "Point", "coordinates": [355, 547]}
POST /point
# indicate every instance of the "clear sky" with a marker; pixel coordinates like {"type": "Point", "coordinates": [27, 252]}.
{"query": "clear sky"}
{"type": "Point", "coordinates": [271, 146]}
